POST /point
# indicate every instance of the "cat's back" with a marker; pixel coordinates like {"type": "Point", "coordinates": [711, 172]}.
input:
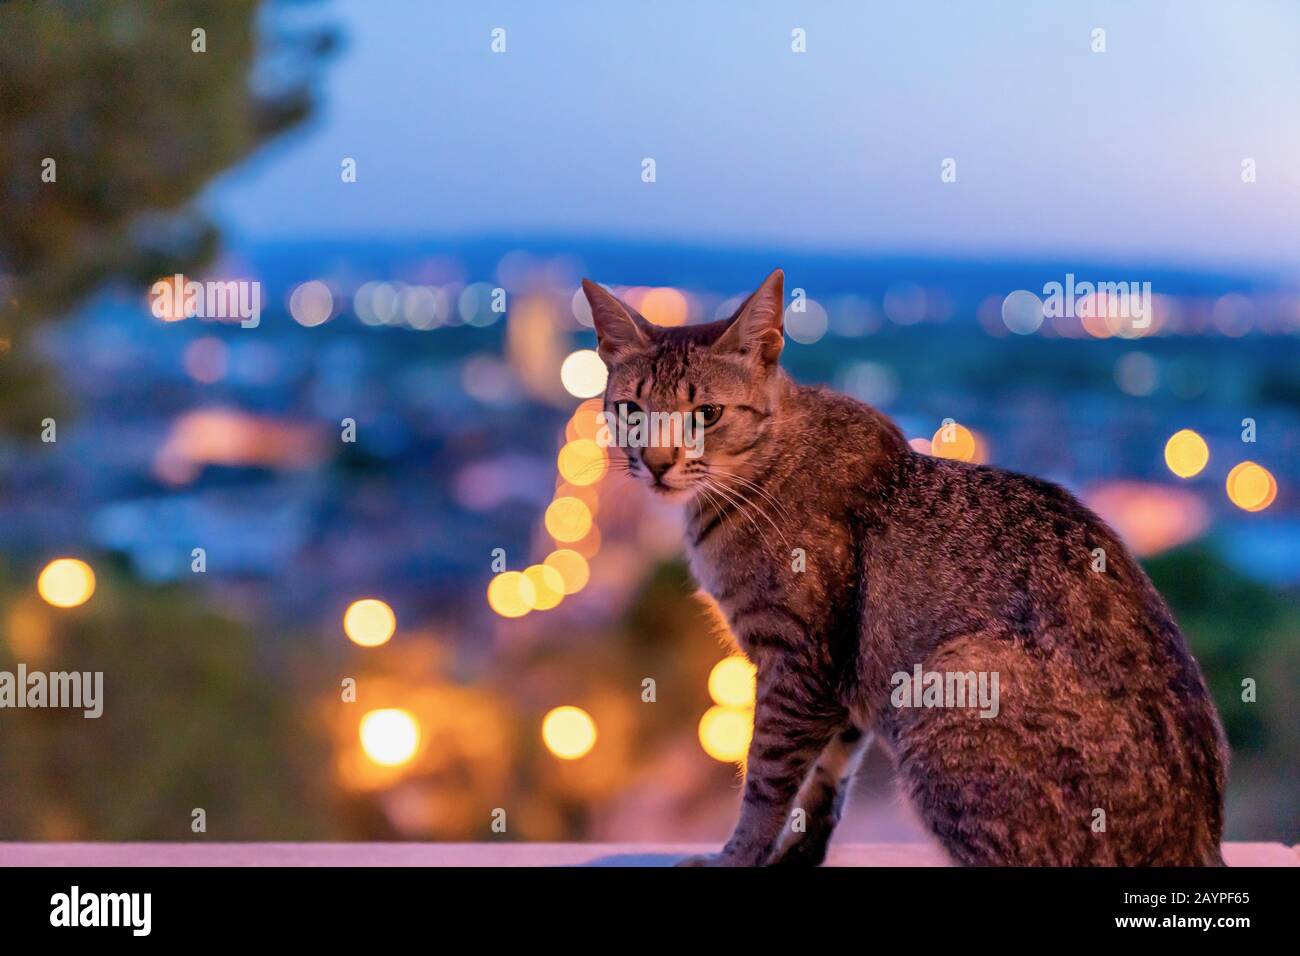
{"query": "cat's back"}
{"type": "Point", "coordinates": [975, 569]}
{"type": "Point", "coordinates": [1003, 549]}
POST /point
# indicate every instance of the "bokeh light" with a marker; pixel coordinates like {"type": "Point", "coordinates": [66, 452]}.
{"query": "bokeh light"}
{"type": "Point", "coordinates": [390, 736]}
{"type": "Point", "coordinates": [808, 324]}
{"type": "Point", "coordinates": [369, 622]}
{"type": "Point", "coordinates": [665, 306]}
{"type": "Point", "coordinates": [548, 586]}
{"type": "Point", "coordinates": [569, 732]}
{"type": "Point", "coordinates": [511, 594]}
{"type": "Point", "coordinates": [1136, 374]}
{"type": "Point", "coordinates": [725, 733]}
{"type": "Point", "coordinates": [582, 462]}
{"type": "Point", "coordinates": [1022, 312]}
{"type": "Point", "coordinates": [568, 519]}
{"type": "Point", "coordinates": [1251, 487]}
{"type": "Point", "coordinates": [957, 442]}
{"type": "Point", "coordinates": [583, 374]}
{"type": "Point", "coordinates": [572, 567]}
{"type": "Point", "coordinates": [311, 303]}
{"type": "Point", "coordinates": [66, 582]}
{"type": "Point", "coordinates": [586, 421]}
{"type": "Point", "coordinates": [732, 682]}
{"type": "Point", "coordinates": [1186, 453]}
{"type": "Point", "coordinates": [206, 359]}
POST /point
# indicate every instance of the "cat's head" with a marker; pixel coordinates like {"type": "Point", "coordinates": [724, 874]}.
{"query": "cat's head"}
{"type": "Point", "coordinates": [703, 393]}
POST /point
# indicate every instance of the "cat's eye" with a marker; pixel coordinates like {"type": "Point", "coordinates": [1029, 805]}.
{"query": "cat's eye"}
{"type": "Point", "coordinates": [708, 415]}
{"type": "Point", "coordinates": [627, 409]}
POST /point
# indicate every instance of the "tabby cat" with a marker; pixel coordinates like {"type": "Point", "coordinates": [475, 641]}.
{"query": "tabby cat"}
{"type": "Point", "coordinates": [852, 569]}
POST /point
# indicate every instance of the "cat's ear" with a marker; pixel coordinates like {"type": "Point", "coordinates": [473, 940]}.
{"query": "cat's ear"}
{"type": "Point", "coordinates": [618, 331]}
{"type": "Point", "coordinates": [758, 328]}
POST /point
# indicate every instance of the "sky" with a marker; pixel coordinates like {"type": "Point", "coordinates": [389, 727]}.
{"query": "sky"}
{"type": "Point", "coordinates": [1134, 153]}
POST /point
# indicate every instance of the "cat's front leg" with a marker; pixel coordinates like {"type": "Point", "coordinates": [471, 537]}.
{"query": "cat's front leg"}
{"type": "Point", "coordinates": [821, 800]}
{"type": "Point", "coordinates": [794, 719]}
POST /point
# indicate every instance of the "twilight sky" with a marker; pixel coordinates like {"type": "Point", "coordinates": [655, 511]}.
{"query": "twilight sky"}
{"type": "Point", "coordinates": [1135, 152]}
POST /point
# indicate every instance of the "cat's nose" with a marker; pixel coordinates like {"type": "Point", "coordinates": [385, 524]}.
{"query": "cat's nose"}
{"type": "Point", "coordinates": [658, 461]}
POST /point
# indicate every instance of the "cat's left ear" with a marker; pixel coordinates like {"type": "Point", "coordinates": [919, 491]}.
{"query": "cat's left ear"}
{"type": "Point", "coordinates": [758, 328]}
{"type": "Point", "coordinates": [619, 332]}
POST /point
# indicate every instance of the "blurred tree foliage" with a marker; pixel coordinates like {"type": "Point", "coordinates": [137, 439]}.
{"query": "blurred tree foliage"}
{"type": "Point", "coordinates": [1240, 629]}
{"type": "Point", "coordinates": [136, 123]}
{"type": "Point", "coordinates": [192, 718]}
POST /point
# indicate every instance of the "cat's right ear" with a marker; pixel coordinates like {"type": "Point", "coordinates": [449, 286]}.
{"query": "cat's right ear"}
{"type": "Point", "coordinates": [618, 332]}
{"type": "Point", "coordinates": [758, 328]}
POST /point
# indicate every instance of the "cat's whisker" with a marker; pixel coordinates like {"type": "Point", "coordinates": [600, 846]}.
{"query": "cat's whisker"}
{"type": "Point", "coordinates": [757, 489]}
{"type": "Point", "coordinates": [737, 502]}
{"type": "Point", "coordinates": [743, 499]}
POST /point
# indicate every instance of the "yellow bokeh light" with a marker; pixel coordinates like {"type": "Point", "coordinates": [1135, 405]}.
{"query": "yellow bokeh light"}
{"type": "Point", "coordinates": [587, 494]}
{"type": "Point", "coordinates": [585, 422]}
{"type": "Point", "coordinates": [1251, 486]}
{"type": "Point", "coordinates": [572, 567]}
{"type": "Point", "coordinates": [369, 622]}
{"type": "Point", "coordinates": [954, 441]}
{"type": "Point", "coordinates": [589, 544]}
{"type": "Point", "coordinates": [568, 519]}
{"type": "Point", "coordinates": [511, 594]}
{"type": "Point", "coordinates": [725, 733]}
{"type": "Point", "coordinates": [731, 682]}
{"type": "Point", "coordinates": [583, 374]}
{"type": "Point", "coordinates": [548, 586]}
{"type": "Point", "coordinates": [66, 582]}
{"type": "Point", "coordinates": [569, 732]}
{"type": "Point", "coordinates": [390, 736]}
{"type": "Point", "coordinates": [582, 462]}
{"type": "Point", "coordinates": [664, 306]}
{"type": "Point", "coordinates": [1186, 453]}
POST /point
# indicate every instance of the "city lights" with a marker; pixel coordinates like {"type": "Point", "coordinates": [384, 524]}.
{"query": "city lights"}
{"type": "Point", "coordinates": [311, 303]}
{"type": "Point", "coordinates": [731, 682]}
{"type": "Point", "coordinates": [568, 519]}
{"type": "Point", "coordinates": [511, 594]}
{"type": "Point", "coordinates": [583, 374]}
{"type": "Point", "coordinates": [957, 442]}
{"type": "Point", "coordinates": [1251, 487]}
{"type": "Point", "coordinates": [569, 732]}
{"type": "Point", "coordinates": [389, 736]}
{"type": "Point", "coordinates": [665, 306]}
{"type": "Point", "coordinates": [66, 582]}
{"type": "Point", "coordinates": [572, 567]}
{"type": "Point", "coordinates": [585, 422]}
{"type": "Point", "coordinates": [1186, 453]}
{"type": "Point", "coordinates": [725, 733]}
{"type": "Point", "coordinates": [369, 622]}
{"type": "Point", "coordinates": [582, 462]}
{"type": "Point", "coordinates": [548, 586]}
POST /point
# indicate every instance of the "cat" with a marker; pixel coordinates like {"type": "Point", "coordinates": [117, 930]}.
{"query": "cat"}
{"type": "Point", "coordinates": [850, 567]}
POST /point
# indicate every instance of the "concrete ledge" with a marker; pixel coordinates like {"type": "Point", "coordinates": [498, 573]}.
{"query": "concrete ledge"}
{"type": "Point", "coordinates": [489, 854]}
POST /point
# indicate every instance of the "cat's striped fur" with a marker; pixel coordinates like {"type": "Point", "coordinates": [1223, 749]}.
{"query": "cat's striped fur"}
{"type": "Point", "coordinates": [909, 559]}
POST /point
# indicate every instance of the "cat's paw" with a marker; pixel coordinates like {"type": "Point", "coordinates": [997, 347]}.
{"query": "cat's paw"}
{"type": "Point", "coordinates": [708, 859]}
{"type": "Point", "coordinates": [804, 853]}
